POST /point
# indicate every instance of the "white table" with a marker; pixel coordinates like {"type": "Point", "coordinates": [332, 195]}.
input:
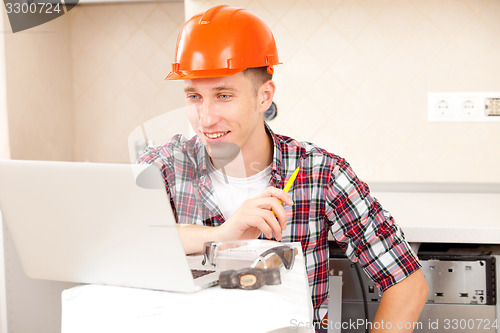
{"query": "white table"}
{"type": "Point", "coordinates": [437, 217]}
{"type": "Point", "coordinates": [106, 309]}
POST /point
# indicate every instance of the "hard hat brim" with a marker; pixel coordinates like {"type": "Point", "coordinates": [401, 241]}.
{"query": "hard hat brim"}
{"type": "Point", "coordinates": [202, 74]}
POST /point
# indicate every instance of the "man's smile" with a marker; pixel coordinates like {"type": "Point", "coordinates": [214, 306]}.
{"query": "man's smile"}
{"type": "Point", "coordinates": [215, 135]}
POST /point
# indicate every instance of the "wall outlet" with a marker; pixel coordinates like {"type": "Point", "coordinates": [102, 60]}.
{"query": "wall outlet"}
{"type": "Point", "coordinates": [463, 106]}
{"type": "Point", "coordinates": [469, 107]}
{"type": "Point", "coordinates": [443, 108]}
{"type": "Point", "coordinates": [440, 106]}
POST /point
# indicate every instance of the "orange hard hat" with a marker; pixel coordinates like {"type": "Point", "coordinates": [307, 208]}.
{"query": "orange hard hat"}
{"type": "Point", "coordinates": [222, 41]}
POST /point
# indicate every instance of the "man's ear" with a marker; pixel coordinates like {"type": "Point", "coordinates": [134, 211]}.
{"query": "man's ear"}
{"type": "Point", "coordinates": [266, 95]}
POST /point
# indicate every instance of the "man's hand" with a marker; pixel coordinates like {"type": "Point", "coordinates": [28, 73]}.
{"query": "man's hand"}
{"type": "Point", "coordinates": [263, 214]}
{"type": "Point", "coordinates": [255, 216]}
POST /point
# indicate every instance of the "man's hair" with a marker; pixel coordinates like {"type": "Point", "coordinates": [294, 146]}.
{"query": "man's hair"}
{"type": "Point", "coordinates": [258, 76]}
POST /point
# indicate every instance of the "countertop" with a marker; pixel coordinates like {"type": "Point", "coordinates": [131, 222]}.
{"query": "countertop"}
{"type": "Point", "coordinates": [103, 309]}
{"type": "Point", "coordinates": [444, 213]}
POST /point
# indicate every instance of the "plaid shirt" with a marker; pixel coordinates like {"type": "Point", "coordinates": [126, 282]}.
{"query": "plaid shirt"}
{"type": "Point", "coordinates": [327, 196]}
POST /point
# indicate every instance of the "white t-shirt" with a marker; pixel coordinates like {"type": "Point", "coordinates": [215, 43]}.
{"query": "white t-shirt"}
{"type": "Point", "coordinates": [231, 192]}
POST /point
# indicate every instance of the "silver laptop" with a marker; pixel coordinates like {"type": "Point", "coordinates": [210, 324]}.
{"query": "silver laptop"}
{"type": "Point", "coordinates": [95, 223]}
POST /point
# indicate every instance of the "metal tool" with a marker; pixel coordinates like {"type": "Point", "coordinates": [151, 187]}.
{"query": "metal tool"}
{"type": "Point", "coordinates": [263, 269]}
{"type": "Point", "coordinates": [249, 278]}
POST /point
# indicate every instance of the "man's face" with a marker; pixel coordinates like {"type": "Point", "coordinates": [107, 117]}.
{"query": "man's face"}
{"type": "Point", "coordinates": [225, 111]}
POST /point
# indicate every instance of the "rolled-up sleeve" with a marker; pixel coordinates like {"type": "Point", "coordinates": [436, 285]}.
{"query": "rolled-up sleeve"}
{"type": "Point", "coordinates": [367, 233]}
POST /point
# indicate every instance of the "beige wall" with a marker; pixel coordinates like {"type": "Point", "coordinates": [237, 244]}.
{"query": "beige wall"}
{"type": "Point", "coordinates": [78, 85]}
{"type": "Point", "coordinates": [121, 54]}
{"type": "Point", "coordinates": [38, 78]}
{"type": "Point", "coordinates": [4, 128]}
{"type": "Point", "coordinates": [355, 78]}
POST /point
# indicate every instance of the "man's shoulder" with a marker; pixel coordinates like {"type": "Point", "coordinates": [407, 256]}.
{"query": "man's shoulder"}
{"type": "Point", "coordinates": [178, 147]}
{"type": "Point", "coordinates": [180, 142]}
{"type": "Point", "coordinates": [290, 146]}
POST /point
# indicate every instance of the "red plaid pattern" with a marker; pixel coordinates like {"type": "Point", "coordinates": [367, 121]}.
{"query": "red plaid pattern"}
{"type": "Point", "coordinates": [327, 195]}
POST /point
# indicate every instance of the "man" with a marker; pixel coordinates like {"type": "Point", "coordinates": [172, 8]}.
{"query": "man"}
{"type": "Point", "coordinates": [226, 182]}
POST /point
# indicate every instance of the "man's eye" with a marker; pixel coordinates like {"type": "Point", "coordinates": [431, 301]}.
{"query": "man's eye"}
{"type": "Point", "coordinates": [224, 96]}
{"type": "Point", "coordinates": [193, 97]}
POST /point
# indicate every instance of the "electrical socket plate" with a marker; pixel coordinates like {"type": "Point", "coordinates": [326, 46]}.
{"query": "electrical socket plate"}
{"type": "Point", "coordinates": [463, 106]}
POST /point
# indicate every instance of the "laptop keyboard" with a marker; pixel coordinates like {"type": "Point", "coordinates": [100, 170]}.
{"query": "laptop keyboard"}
{"type": "Point", "coordinates": [200, 272]}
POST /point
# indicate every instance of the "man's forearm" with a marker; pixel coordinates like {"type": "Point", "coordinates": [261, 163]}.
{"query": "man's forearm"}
{"type": "Point", "coordinates": [194, 236]}
{"type": "Point", "coordinates": [401, 305]}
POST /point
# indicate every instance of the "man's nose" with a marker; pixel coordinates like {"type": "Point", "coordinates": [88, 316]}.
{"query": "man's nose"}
{"type": "Point", "coordinates": [208, 114]}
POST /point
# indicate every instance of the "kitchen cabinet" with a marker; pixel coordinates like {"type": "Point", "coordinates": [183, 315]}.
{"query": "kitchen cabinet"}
{"type": "Point", "coordinates": [444, 213]}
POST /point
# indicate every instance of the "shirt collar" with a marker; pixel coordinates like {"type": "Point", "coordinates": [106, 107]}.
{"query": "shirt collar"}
{"type": "Point", "coordinates": [276, 171]}
{"type": "Point", "coordinates": [204, 159]}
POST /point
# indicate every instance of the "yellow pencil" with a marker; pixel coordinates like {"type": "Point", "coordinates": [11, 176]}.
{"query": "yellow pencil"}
{"type": "Point", "coordinates": [289, 183]}
{"type": "Point", "coordinates": [291, 180]}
